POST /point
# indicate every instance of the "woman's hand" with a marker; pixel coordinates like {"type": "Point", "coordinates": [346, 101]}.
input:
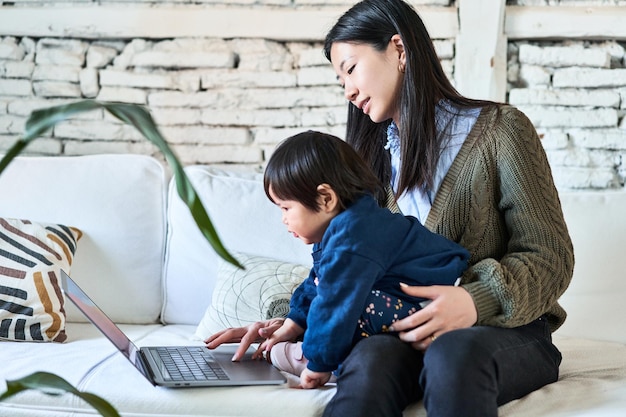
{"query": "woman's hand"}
{"type": "Point", "coordinates": [245, 336]}
{"type": "Point", "coordinates": [310, 379]}
{"type": "Point", "coordinates": [451, 308]}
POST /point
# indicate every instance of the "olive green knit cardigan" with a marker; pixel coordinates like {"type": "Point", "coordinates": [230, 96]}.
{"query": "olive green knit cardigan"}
{"type": "Point", "coordinates": [499, 201]}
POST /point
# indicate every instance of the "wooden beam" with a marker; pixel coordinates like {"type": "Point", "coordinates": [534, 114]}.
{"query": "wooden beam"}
{"type": "Point", "coordinates": [565, 22]}
{"type": "Point", "coordinates": [481, 50]}
{"type": "Point", "coordinates": [116, 22]}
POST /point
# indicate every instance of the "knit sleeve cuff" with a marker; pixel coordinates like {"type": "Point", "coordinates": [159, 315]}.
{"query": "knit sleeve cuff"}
{"type": "Point", "coordinates": [487, 305]}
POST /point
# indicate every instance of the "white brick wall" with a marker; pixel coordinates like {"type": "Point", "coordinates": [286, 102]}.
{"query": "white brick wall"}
{"type": "Point", "coordinates": [229, 101]}
{"type": "Point", "coordinates": [216, 105]}
{"type": "Point", "coordinates": [574, 92]}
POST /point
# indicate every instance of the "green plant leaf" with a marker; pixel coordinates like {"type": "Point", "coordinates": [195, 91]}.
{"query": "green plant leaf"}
{"type": "Point", "coordinates": [40, 121]}
{"type": "Point", "coordinates": [54, 385]}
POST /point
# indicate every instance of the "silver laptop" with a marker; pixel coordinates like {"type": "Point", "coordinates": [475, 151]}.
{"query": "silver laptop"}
{"type": "Point", "coordinates": [176, 366]}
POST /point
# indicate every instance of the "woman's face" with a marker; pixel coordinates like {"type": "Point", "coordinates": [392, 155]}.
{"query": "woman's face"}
{"type": "Point", "coordinates": [371, 79]}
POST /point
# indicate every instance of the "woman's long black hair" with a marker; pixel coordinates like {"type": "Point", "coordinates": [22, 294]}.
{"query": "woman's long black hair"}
{"type": "Point", "coordinates": [374, 22]}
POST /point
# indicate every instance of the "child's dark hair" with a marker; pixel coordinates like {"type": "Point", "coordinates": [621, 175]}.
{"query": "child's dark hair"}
{"type": "Point", "coordinates": [304, 161]}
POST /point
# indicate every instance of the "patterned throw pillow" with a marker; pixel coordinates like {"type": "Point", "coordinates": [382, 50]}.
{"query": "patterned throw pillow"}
{"type": "Point", "coordinates": [31, 301]}
{"type": "Point", "coordinates": [243, 296]}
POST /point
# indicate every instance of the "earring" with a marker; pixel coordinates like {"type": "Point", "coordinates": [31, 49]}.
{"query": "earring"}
{"type": "Point", "coordinates": [402, 67]}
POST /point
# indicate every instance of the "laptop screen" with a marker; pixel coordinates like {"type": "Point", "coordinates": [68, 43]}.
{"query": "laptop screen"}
{"type": "Point", "coordinates": [98, 318]}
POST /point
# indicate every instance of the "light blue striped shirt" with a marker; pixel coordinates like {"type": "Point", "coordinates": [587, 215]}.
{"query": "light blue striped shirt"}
{"type": "Point", "coordinates": [455, 124]}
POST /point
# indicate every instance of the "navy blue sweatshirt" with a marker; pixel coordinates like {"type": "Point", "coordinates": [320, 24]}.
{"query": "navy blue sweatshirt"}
{"type": "Point", "coordinates": [365, 248]}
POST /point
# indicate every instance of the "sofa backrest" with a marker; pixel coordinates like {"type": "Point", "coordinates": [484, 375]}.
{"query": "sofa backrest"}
{"type": "Point", "coordinates": [248, 222]}
{"type": "Point", "coordinates": [118, 201]}
{"type": "Point", "coordinates": [245, 220]}
{"type": "Point", "coordinates": [596, 298]}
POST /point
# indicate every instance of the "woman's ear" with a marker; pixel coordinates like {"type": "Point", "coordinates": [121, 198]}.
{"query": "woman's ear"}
{"type": "Point", "coordinates": [398, 45]}
{"type": "Point", "coordinates": [328, 198]}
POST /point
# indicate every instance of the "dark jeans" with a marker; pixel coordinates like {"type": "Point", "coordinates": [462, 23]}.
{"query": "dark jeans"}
{"type": "Point", "coordinates": [467, 372]}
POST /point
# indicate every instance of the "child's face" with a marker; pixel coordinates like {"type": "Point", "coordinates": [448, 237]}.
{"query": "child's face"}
{"type": "Point", "coordinates": [302, 222]}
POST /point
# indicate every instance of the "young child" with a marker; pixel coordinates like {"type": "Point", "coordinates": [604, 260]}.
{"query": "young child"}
{"type": "Point", "coordinates": [362, 254]}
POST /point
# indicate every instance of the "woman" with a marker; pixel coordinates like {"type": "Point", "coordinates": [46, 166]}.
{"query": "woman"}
{"type": "Point", "coordinates": [475, 172]}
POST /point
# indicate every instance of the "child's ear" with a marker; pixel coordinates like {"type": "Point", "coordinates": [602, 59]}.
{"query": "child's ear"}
{"type": "Point", "coordinates": [328, 199]}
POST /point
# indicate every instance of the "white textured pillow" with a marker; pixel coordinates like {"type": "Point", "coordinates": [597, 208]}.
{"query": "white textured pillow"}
{"type": "Point", "coordinates": [242, 296]}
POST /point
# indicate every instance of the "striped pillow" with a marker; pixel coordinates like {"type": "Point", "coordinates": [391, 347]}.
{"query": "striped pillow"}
{"type": "Point", "coordinates": [31, 301]}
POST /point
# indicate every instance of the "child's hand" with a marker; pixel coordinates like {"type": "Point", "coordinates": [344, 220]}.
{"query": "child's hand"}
{"type": "Point", "coordinates": [310, 379]}
{"type": "Point", "coordinates": [289, 331]}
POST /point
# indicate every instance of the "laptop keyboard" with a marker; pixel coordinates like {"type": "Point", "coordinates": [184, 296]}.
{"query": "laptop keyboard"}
{"type": "Point", "coordinates": [190, 364]}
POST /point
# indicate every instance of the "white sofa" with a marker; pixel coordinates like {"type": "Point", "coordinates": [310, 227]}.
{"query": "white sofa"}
{"type": "Point", "coordinates": [144, 262]}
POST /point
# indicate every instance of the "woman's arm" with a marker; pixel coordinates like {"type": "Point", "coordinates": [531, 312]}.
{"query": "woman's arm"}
{"type": "Point", "coordinates": [516, 279]}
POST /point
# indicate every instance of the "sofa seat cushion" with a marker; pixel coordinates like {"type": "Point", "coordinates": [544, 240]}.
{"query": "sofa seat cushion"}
{"type": "Point", "coordinates": [84, 349]}
{"type": "Point", "coordinates": [592, 382]}
{"type": "Point", "coordinates": [98, 368]}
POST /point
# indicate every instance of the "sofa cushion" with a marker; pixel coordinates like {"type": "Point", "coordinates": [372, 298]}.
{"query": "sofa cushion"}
{"type": "Point", "coordinates": [243, 296]}
{"type": "Point", "coordinates": [118, 201]}
{"type": "Point", "coordinates": [592, 382]}
{"type": "Point", "coordinates": [32, 306]}
{"type": "Point", "coordinates": [245, 220]}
